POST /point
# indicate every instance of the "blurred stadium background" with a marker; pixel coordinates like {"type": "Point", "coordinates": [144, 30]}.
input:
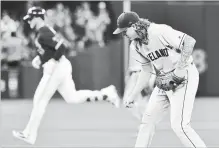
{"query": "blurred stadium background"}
{"type": "Point", "coordinates": [98, 60]}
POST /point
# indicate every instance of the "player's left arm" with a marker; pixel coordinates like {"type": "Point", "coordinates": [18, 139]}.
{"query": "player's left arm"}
{"type": "Point", "coordinates": [186, 52]}
{"type": "Point", "coordinates": [50, 38]}
{"type": "Point", "coordinates": [181, 42]}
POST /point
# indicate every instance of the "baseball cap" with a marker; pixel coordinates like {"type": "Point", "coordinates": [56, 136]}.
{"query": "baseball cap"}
{"type": "Point", "coordinates": [34, 12]}
{"type": "Point", "coordinates": [125, 20]}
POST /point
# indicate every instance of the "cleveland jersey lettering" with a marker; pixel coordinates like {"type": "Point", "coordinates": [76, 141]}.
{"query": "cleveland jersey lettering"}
{"type": "Point", "coordinates": [158, 54]}
{"type": "Point", "coordinates": [163, 49]}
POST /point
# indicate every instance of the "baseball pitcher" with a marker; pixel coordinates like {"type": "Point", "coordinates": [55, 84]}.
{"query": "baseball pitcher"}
{"type": "Point", "coordinates": [57, 75]}
{"type": "Point", "coordinates": [168, 52]}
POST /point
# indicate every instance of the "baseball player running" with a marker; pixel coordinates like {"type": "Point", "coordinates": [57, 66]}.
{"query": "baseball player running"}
{"type": "Point", "coordinates": [57, 75]}
{"type": "Point", "coordinates": [168, 51]}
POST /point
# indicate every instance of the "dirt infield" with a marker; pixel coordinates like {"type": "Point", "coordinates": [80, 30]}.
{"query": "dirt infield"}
{"type": "Point", "coordinates": [99, 125]}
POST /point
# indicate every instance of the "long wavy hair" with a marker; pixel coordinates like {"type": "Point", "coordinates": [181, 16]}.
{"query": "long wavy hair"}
{"type": "Point", "coordinates": [142, 30]}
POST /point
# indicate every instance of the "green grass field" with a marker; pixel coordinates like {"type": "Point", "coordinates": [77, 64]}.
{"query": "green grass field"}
{"type": "Point", "coordinates": [99, 125]}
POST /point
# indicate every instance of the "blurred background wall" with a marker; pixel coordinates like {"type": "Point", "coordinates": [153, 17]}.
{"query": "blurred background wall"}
{"type": "Point", "coordinates": [96, 54]}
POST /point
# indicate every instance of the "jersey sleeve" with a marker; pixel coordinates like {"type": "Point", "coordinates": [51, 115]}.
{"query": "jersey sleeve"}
{"type": "Point", "coordinates": [49, 38]}
{"type": "Point", "coordinates": [171, 37]}
{"type": "Point", "coordinates": [136, 61]}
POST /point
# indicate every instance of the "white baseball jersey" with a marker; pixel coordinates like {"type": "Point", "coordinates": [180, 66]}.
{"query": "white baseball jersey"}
{"type": "Point", "coordinates": [163, 49]}
{"type": "Point", "coordinates": [163, 52]}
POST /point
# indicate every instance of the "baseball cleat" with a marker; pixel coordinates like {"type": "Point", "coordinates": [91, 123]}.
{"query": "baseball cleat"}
{"type": "Point", "coordinates": [112, 95]}
{"type": "Point", "coordinates": [21, 136]}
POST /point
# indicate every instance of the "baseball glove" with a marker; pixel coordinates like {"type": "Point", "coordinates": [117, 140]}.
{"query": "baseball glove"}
{"type": "Point", "coordinates": [168, 81]}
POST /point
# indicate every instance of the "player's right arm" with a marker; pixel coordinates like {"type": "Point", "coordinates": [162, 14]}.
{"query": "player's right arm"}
{"type": "Point", "coordinates": [140, 72]}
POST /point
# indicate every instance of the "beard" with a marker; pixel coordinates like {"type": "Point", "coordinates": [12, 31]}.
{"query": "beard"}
{"type": "Point", "coordinates": [143, 37]}
{"type": "Point", "coordinates": [142, 31]}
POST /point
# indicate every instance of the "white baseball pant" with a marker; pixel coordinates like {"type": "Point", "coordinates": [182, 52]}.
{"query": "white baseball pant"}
{"type": "Point", "coordinates": [59, 79]}
{"type": "Point", "coordinates": [181, 104]}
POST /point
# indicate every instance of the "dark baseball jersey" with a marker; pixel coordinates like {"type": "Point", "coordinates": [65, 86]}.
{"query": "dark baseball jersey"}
{"type": "Point", "coordinates": [48, 44]}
